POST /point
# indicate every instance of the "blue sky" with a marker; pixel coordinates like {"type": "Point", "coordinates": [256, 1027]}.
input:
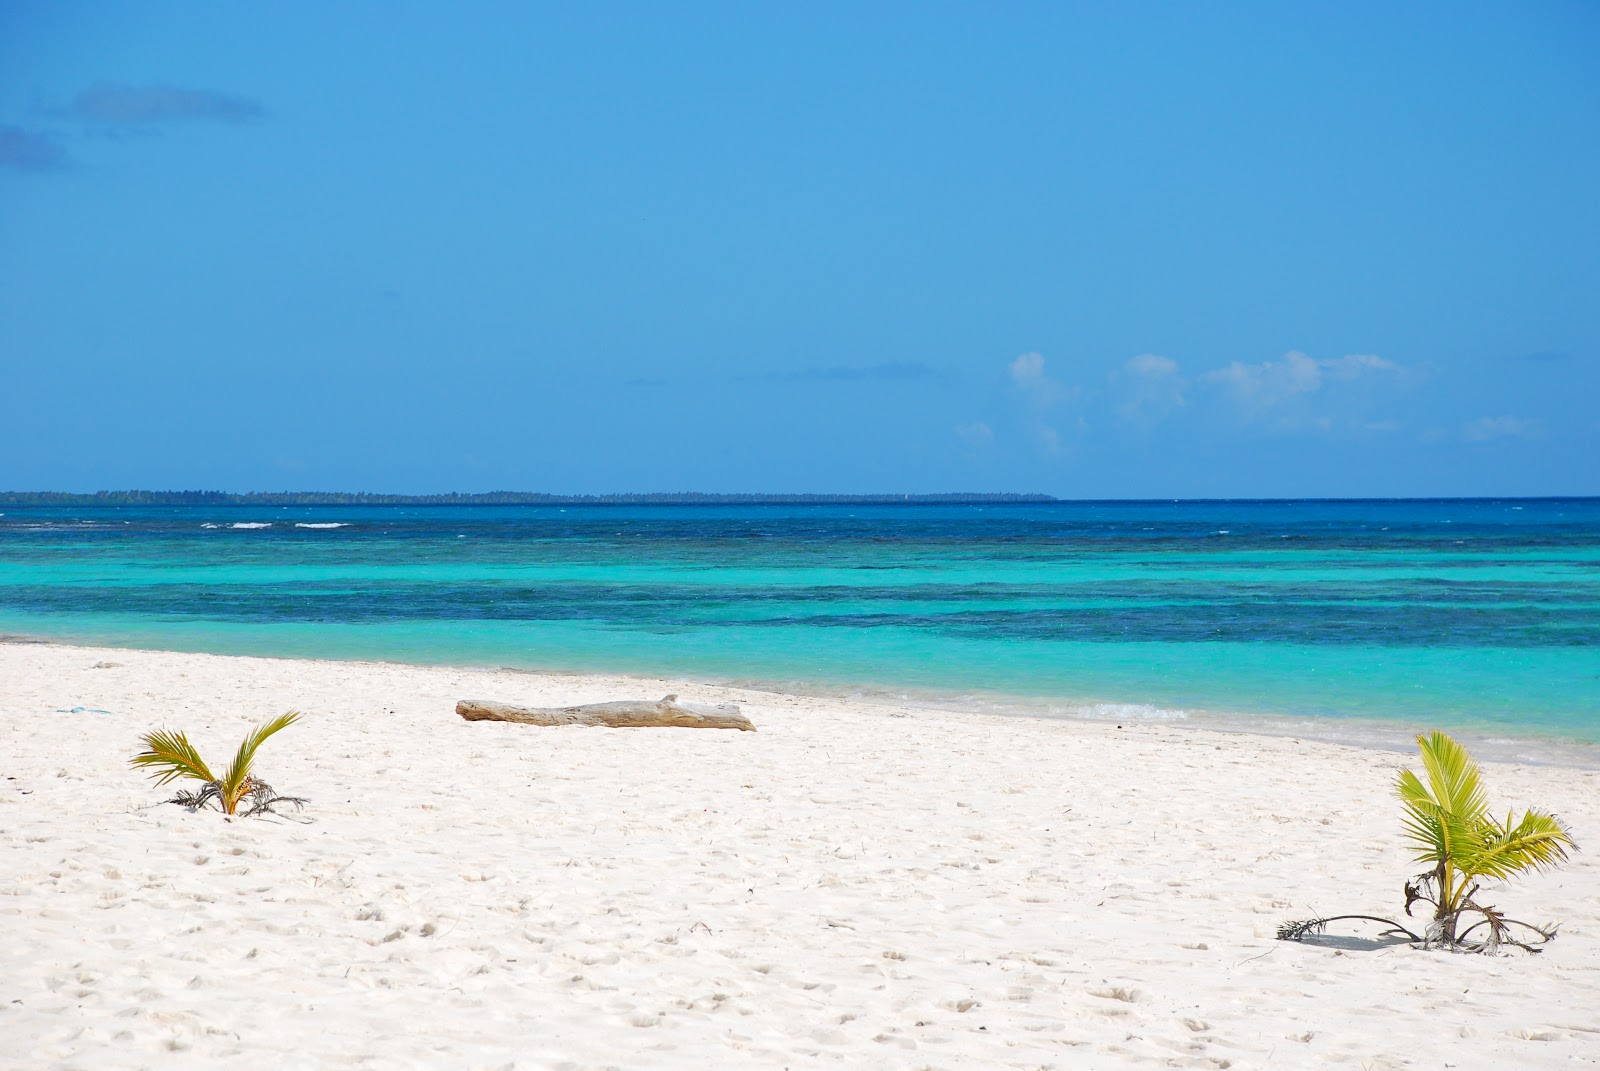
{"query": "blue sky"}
{"type": "Point", "coordinates": [1133, 250]}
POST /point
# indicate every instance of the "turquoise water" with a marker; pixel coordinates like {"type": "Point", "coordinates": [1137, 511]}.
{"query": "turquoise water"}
{"type": "Point", "coordinates": [1478, 615]}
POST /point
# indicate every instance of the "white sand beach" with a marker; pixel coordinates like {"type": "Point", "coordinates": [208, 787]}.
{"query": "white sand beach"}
{"type": "Point", "coordinates": [853, 885]}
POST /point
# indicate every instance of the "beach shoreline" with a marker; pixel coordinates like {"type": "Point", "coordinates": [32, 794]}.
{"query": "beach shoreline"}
{"type": "Point", "coordinates": [856, 882]}
{"type": "Point", "coordinates": [1530, 746]}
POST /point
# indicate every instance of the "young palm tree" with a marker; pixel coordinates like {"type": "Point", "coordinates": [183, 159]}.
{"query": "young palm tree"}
{"type": "Point", "coordinates": [1448, 823]}
{"type": "Point", "coordinates": [169, 756]}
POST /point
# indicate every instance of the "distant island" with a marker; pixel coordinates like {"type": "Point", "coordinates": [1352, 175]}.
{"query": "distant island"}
{"type": "Point", "coordinates": [488, 498]}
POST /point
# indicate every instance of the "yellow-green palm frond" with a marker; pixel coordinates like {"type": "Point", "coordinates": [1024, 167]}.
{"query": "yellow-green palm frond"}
{"type": "Point", "coordinates": [1426, 829]}
{"type": "Point", "coordinates": [1453, 776]}
{"type": "Point", "coordinates": [169, 755]}
{"type": "Point", "coordinates": [234, 782]}
{"type": "Point", "coordinates": [1434, 830]}
{"type": "Point", "coordinates": [1445, 815]}
{"type": "Point", "coordinates": [1539, 840]}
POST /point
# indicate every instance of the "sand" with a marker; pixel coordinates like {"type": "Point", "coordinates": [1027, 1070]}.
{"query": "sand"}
{"type": "Point", "coordinates": [854, 885]}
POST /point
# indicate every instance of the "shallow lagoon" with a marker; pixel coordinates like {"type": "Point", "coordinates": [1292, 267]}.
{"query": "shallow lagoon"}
{"type": "Point", "coordinates": [1481, 615]}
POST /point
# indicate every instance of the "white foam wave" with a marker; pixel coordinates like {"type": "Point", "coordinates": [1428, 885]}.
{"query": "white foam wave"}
{"type": "Point", "coordinates": [330, 524]}
{"type": "Point", "coordinates": [1127, 712]}
{"type": "Point", "coordinates": [252, 524]}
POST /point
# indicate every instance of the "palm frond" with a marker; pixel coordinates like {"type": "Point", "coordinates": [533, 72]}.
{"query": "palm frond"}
{"type": "Point", "coordinates": [1436, 831]}
{"type": "Point", "coordinates": [169, 755]}
{"type": "Point", "coordinates": [1424, 819]}
{"type": "Point", "coordinates": [1299, 930]}
{"type": "Point", "coordinates": [1538, 841]}
{"type": "Point", "coordinates": [196, 800]}
{"type": "Point", "coordinates": [234, 780]}
{"type": "Point", "coordinates": [263, 798]}
{"type": "Point", "coordinates": [1453, 776]}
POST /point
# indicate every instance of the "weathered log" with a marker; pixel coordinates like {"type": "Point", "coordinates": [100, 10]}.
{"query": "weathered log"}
{"type": "Point", "coordinates": [629, 713]}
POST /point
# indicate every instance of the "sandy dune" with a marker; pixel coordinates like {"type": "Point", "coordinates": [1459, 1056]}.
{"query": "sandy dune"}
{"type": "Point", "coordinates": [853, 885]}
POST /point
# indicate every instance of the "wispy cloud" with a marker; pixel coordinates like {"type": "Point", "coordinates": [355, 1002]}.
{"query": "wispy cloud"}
{"type": "Point", "coordinates": [1354, 366]}
{"type": "Point", "coordinates": [850, 373]}
{"type": "Point", "coordinates": [111, 108]}
{"type": "Point", "coordinates": [1276, 391]}
{"type": "Point", "coordinates": [1028, 369]}
{"type": "Point", "coordinates": [1354, 395]}
{"type": "Point", "coordinates": [1028, 373]}
{"type": "Point", "coordinates": [28, 150]}
{"type": "Point", "coordinates": [115, 104]}
{"type": "Point", "coordinates": [1152, 387]}
{"type": "Point", "coordinates": [1042, 394]}
{"type": "Point", "coordinates": [1487, 429]}
{"type": "Point", "coordinates": [1261, 386]}
{"type": "Point", "coordinates": [975, 434]}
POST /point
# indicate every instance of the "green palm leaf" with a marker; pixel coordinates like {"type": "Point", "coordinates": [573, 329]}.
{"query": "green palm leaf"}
{"type": "Point", "coordinates": [1424, 819]}
{"type": "Point", "coordinates": [1444, 816]}
{"type": "Point", "coordinates": [169, 755]}
{"type": "Point", "coordinates": [1539, 840]}
{"type": "Point", "coordinates": [1453, 776]}
{"type": "Point", "coordinates": [235, 781]}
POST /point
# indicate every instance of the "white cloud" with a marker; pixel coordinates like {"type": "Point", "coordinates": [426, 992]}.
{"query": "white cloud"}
{"type": "Point", "coordinates": [1281, 390]}
{"type": "Point", "coordinates": [1153, 388]}
{"type": "Point", "coordinates": [1028, 373]}
{"type": "Point", "coordinates": [1043, 394]}
{"type": "Point", "coordinates": [1487, 429]}
{"type": "Point", "coordinates": [1264, 385]}
{"type": "Point", "coordinates": [1028, 369]}
{"type": "Point", "coordinates": [1151, 366]}
{"type": "Point", "coordinates": [976, 434]}
{"type": "Point", "coordinates": [1356, 365]}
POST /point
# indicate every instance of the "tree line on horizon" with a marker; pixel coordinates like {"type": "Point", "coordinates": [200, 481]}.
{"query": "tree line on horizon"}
{"type": "Point", "coordinates": [488, 498]}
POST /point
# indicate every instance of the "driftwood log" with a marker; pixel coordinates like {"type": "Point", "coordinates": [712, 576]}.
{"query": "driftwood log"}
{"type": "Point", "coordinates": [629, 713]}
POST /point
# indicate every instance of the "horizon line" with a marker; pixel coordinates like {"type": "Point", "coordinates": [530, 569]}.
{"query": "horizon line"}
{"type": "Point", "coordinates": [140, 497]}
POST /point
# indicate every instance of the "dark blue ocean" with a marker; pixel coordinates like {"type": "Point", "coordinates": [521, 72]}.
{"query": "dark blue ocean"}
{"type": "Point", "coordinates": [1480, 615]}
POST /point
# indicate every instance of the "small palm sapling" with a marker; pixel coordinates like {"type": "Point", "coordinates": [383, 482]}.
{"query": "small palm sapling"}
{"type": "Point", "coordinates": [1448, 823]}
{"type": "Point", "coordinates": [169, 756]}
